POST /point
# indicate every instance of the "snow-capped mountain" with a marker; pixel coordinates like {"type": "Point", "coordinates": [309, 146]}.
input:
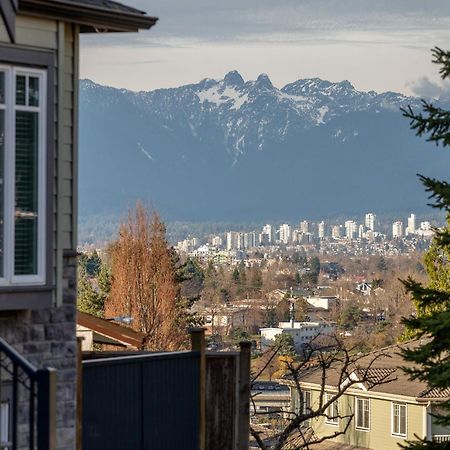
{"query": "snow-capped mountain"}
{"type": "Point", "coordinates": [236, 149]}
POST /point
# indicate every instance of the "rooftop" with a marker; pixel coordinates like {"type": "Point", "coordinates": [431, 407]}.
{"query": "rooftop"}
{"type": "Point", "coordinates": [93, 16]}
{"type": "Point", "coordinates": [382, 365]}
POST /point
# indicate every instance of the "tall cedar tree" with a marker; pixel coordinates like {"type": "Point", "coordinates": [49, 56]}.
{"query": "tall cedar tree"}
{"type": "Point", "coordinates": [143, 283]}
{"type": "Point", "coordinates": [433, 301]}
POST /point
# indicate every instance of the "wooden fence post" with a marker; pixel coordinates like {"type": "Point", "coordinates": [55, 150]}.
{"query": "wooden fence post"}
{"type": "Point", "coordinates": [79, 424]}
{"type": "Point", "coordinates": [198, 345]}
{"type": "Point", "coordinates": [46, 409]}
{"type": "Point", "coordinates": [244, 396]}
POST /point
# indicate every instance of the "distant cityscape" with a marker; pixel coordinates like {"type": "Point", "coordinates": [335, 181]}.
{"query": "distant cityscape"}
{"type": "Point", "coordinates": [368, 237]}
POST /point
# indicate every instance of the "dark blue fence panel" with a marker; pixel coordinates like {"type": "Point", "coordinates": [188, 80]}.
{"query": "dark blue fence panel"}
{"type": "Point", "coordinates": [141, 402]}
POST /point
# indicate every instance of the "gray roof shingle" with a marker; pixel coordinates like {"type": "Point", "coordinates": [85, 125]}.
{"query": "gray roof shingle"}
{"type": "Point", "coordinates": [108, 4]}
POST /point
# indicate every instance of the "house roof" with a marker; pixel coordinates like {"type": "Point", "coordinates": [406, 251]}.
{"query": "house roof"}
{"type": "Point", "coordinates": [108, 4]}
{"type": "Point", "coordinates": [380, 366]}
{"type": "Point", "coordinates": [93, 16]}
{"type": "Point", "coordinates": [111, 330]}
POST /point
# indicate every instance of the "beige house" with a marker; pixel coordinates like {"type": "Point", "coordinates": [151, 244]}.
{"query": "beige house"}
{"type": "Point", "coordinates": [374, 416]}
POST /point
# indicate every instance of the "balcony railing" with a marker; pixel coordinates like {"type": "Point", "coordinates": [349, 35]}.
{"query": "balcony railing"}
{"type": "Point", "coordinates": [28, 403]}
{"type": "Point", "coordinates": [441, 438]}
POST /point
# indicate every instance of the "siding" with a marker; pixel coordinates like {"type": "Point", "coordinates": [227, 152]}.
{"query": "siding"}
{"type": "Point", "coordinates": [32, 32]}
{"type": "Point", "coordinates": [379, 437]}
{"type": "Point", "coordinates": [62, 39]}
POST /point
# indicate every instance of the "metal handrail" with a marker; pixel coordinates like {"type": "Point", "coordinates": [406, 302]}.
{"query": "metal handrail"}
{"type": "Point", "coordinates": [42, 400]}
{"type": "Point", "coordinates": [17, 358]}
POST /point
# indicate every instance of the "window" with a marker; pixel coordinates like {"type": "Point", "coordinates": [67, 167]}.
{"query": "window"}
{"type": "Point", "coordinates": [362, 413]}
{"type": "Point", "coordinates": [22, 175]}
{"type": "Point", "coordinates": [399, 419]}
{"type": "Point", "coordinates": [4, 426]}
{"type": "Point", "coordinates": [332, 411]}
{"type": "Point", "coordinates": [306, 405]}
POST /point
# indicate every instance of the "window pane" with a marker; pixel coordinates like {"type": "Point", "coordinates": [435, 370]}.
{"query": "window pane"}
{"type": "Point", "coordinates": [2, 87]}
{"type": "Point", "coordinates": [4, 422]}
{"type": "Point", "coordinates": [20, 89]}
{"type": "Point", "coordinates": [403, 419]}
{"type": "Point", "coordinates": [33, 91]}
{"type": "Point", "coordinates": [26, 213]}
{"type": "Point", "coordinates": [2, 183]}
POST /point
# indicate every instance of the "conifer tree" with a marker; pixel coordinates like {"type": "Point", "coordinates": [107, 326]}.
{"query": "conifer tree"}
{"type": "Point", "coordinates": [93, 285]}
{"type": "Point", "coordinates": [433, 300]}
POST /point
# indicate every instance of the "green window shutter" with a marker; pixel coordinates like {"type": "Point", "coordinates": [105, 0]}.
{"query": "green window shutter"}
{"type": "Point", "coordinates": [26, 198]}
{"type": "Point", "coordinates": [2, 185]}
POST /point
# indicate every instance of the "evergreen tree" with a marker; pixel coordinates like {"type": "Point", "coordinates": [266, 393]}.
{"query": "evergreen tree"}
{"type": "Point", "coordinates": [433, 301]}
{"type": "Point", "coordinates": [93, 264]}
{"type": "Point", "coordinates": [285, 344]}
{"type": "Point", "coordinates": [235, 276]}
{"type": "Point", "coordinates": [93, 285]}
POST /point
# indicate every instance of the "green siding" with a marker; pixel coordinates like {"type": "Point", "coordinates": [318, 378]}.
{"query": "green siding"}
{"type": "Point", "coordinates": [379, 437]}
{"type": "Point", "coordinates": [33, 32]}
{"type": "Point", "coordinates": [62, 39]}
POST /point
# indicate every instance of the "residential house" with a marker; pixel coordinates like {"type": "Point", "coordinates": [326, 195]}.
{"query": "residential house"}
{"type": "Point", "coordinates": [379, 415]}
{"type": "Point", "coordinates": [39, 63]}
{"type": "Point", "coordinates": [303, 333]}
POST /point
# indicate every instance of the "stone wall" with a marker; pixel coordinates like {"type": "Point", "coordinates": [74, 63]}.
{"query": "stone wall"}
{"type": "Point", "coordinates": [46, 338]}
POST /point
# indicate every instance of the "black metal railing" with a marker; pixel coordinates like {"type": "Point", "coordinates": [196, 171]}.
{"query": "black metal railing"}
{"type": "Point", "coordinates": [28, 397]}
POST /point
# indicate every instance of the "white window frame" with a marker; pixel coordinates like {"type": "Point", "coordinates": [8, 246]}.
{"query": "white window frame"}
{"type": "Point", "coordinates": [10, 107]}
{"type": "Point", "coordinates": [332, 411]}
{"type": "Point", "coordinates": [357, 412]}
{"type": "Point", "coordinates": [393, 432]}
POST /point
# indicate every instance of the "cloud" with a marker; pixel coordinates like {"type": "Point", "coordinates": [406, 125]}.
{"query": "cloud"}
{"type": "Point", "coordinates": [237, 20]}
{"type": "Point", "coordinates": [424, 87]}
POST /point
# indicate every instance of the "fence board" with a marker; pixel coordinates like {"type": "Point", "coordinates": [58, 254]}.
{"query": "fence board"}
{"type": "Point", "coordinates": [141, 402]}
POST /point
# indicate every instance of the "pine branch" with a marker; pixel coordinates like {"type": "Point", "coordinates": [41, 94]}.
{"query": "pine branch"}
{"type": "Point", "coordinates": [432, 121]}
{"type": "Point", "coordinates": [442, 58]}
{"type": "Point", "coordinates": [439, 191]}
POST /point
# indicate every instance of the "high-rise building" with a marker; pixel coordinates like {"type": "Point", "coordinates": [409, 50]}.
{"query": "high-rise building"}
{"type": "Point", "coordinates": [361, 231]}
{"type": "Point", "coordinates": [285, 233]}
{"type": "Point", "coordinates": [233, 240]}
{"type": "Point", "coordinates": [249, 240]}
{"type": "Point", "coordinates": [217, 241]}
{"type": "Point", "coordinates": [268, 231]}
{"type": "Point", "coordinates": [336, 231]}
{"type": "Point", "coordinates": [411, 228]}
{"type": "Point", "coordinates": [305, 227]}
{"type": "Point", "coordinates": [397, 229]}
{"type": "Point", "coordinates": [350, 229]}
{"type": "Point", "coordinates": [321, 230]}
{"type": "Point", "coordinates": [370, 221]}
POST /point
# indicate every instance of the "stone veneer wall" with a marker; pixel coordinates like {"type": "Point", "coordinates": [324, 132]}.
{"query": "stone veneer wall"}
{"type": "Point", "coordinates": [46, 338]}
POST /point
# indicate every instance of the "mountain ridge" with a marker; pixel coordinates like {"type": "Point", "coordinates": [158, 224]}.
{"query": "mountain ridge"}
{"type": "Point", "coordinates": [218, 139]}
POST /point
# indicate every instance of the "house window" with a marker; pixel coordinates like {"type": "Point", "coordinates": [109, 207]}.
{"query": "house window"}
{"type": "Point", "coordinates": [399, 419]}
{"type": "Point", "coordinates": [4, 426]}
{"type": "Point", "coordinates": [306, 405]}
{"type": "Point", "coordinates": [22, 175]}
{"type": "Point", "coordinates": [362, 413]}
{"type": "Point", "coordinates": [332, 411]}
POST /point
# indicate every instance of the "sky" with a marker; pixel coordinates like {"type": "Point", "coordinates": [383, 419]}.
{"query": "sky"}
{"type": "Point", "coordinates": [380, 45]}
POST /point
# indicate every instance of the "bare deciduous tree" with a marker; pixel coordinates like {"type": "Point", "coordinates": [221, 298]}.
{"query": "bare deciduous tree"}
{"type": "Point", "coordinates": [143, 283]}
{"type": "Point", "coordinates": [331, 365]}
